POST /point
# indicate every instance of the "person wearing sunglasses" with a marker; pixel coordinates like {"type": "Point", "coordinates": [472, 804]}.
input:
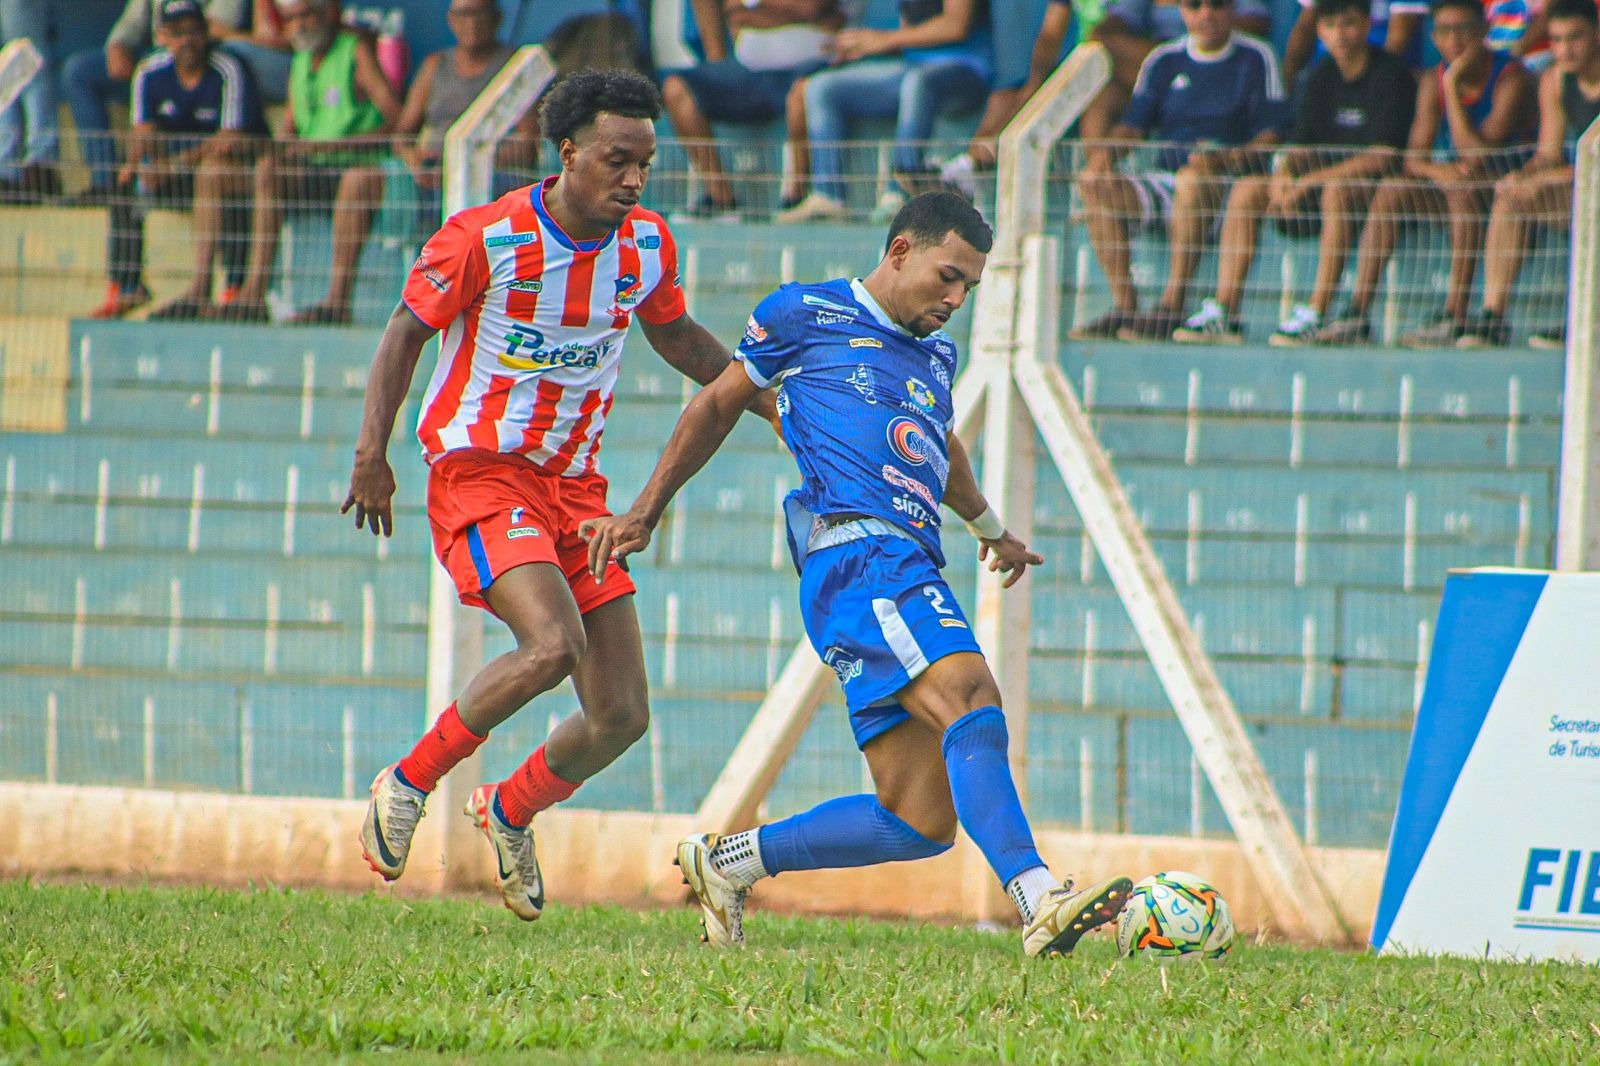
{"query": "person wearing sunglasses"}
{"type": "Point", "coordinates": [1213, 101]}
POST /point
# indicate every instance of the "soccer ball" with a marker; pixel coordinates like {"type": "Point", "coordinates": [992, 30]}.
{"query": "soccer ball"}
{"type": "Point", "coordinates": [1175, 915]}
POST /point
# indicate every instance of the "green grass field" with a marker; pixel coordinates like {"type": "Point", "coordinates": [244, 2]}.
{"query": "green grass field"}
{"type": "Point", "coordinates": [162, 974]}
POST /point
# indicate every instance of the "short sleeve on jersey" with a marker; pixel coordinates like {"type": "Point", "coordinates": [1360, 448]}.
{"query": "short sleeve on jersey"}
{"type": "Point", "coordinates": [450, 273]}
{"type": "Point", "coordinates": [665, 302]}
{"type": "Point", "coordinates": [771, 343]}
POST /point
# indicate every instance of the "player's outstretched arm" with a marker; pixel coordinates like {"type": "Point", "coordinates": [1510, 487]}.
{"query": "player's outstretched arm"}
{"type": "Point", "coordinates": [371, 479]}
{"type": "Point", "coordinates": [700, 431]}
{"type": "Point", "coordinates": [1005, 552]}
{"type": "Point", "coordinates": [691, 350]}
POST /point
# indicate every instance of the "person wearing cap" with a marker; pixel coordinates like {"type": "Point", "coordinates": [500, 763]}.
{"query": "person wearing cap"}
{"type": "Point", "coordinates": [196, 121]}
{"type": "Point", "coordinates": [93, 80]}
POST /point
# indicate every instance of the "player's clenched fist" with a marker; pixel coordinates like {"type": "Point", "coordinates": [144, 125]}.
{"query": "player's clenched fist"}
{"type": "Point", "coordinates": [613, 537]}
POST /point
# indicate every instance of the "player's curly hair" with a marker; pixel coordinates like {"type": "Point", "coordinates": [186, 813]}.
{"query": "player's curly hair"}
{"type": "Point", "coordinates": [926, 219]}
{"type": "Point", "coordinates": [573, 102]}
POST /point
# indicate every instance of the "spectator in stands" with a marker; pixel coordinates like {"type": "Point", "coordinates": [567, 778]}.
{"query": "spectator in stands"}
{"type": "Point", "coordinates": [775, 42]}
{"type": "Point", "coordinates": [1351, 123]}
{"type": "Point", "coordinates": [195, 116]}
{"type": "Point", "coordinates": [1129, 31]}
{"type": "Point", "coordinates": [337, 124]}
{"type": "Point", "coordinates": [1029, 36]}
{"type": "Point", "coordinates": [1540, 192]}
{"type": "Point", "coordinates": [1396, 28]}
{"type": "Point", "coordinates": [1471, 110]}
{"type": "Point", "coordinates": [445, 86]}
{"type": "Point", "coordinates": [95, 79]}
{"type": "Point", "coordinates": [263, 47]}
{"type": "Point", "coordinates": [1216, 98]}
{"type": "Point", "coordinates": [30, 140]}
{"type": "Point", "coordinates": [936, 62]}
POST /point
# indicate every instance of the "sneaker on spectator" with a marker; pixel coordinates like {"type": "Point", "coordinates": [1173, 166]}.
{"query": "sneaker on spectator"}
{"type": "Point", "coordinates": [1103, 328]}
{"type": "Point", "coordinates": [119, 302]}
{"type": "Point", "coordinates": [1210, 325]}
{"type": "Point", "coordinates": [961, 174]}
{"type": "Point", "coordinates": [1487, 330]}
{"type": "Point", "coordinates": [1300, 328]}
{"type": "Point", "coordinates": [1157, 325]}
{"type": "Point", "coordinates": [816, 207]}
{"type": "Point", "coordinates": [1350, 328]}
{"type": "Point", "coordinates": [889, 205]}
{"type": "Point", "coordinates": [1442, 332]}
{"type": "Point", "coordinates": [1550, 339]}
{"type": "Point", "coordinates": [705, 209]}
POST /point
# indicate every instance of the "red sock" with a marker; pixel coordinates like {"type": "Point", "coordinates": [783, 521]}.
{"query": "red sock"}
{"type": "Point", "coordinates": [531, 788]}
{"type": "Point", "coordinates": [447, 743]}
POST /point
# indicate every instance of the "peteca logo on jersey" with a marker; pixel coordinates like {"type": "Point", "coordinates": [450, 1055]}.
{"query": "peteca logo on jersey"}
{"type": "Point", "coordinates": [864, 383]}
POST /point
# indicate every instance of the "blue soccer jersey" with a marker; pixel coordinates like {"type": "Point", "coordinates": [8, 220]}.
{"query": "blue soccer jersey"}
{"type": "Point", "coordinates": [865, 407]}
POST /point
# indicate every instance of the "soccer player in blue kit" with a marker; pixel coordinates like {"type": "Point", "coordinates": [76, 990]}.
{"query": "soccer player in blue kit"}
{"type": "Point", "coordinates": [864, 372]}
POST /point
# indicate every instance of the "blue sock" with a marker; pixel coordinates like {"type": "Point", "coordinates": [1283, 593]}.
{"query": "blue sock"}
{"type": "Point", "coordinates": [986, 797]}
{"type": "Point", "coordinates": [848, 831]}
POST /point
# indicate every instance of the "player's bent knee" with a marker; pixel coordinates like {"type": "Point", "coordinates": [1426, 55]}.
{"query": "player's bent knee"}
{"type": "Point", "coordinates": [624, 725]}
{"type": "Point", "coordinates": [556, 653]}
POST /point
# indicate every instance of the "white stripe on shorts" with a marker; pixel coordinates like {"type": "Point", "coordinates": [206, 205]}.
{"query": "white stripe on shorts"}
{"type": "Point", "coordinates": [898, 634]}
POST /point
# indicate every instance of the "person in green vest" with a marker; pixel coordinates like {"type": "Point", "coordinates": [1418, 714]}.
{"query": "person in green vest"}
{"type": "Point", "coordinates": [341, 111]}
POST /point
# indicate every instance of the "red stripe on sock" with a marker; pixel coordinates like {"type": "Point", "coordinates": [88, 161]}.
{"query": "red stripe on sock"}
{"type": "Point", "coordinates": [447, 743]}
{"type": "Point", "coordinates": [531, 788]}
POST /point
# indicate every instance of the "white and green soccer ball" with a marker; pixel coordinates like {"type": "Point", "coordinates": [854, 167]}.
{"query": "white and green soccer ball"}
{"type": "Point", "coordinates": [1175, 915]}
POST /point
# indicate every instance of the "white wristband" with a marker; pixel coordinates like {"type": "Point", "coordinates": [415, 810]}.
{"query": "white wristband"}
{"type": "Point", "coordinates": [987, 526]}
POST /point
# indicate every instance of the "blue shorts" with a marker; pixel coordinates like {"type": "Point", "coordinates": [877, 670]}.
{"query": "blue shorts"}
{"type": "Point", "coordinates": [878, 612]}
{"type": "Point", "coordinates": [728, 91]}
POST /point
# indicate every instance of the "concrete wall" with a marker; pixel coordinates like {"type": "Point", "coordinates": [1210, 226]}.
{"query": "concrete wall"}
{"type": "Point", "coordinates": [621, 857]}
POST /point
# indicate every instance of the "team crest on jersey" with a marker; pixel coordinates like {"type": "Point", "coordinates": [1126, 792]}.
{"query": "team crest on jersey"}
{"type": "Point", "coordinates": [864, 383]}
{"type": "Point", "coordinates": [628, 289]}
{"type": "Point", "coordinates": [753, 333]}
{"type": "Point", "coordinates": [518, 285]}
{"type": "Point", "coordinates": [846, 668]}
{"type": "Point", "coordinates": [920, 395]}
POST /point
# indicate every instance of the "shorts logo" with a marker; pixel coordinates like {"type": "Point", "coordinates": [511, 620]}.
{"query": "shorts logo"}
{"type": "Point", "coordinates": [507, 240]}
{"type": "Point", "coordinates": [753, 333]}
{"type": "Point", "coordinates": [865, 342]}
{"type": "Point", "coordinates": [846, 668]}
{"type": "Point", "coordinates": [521, 531]}
{"type": "Point", "coordinates": [912, 445]}
{"type": "Point", "coordinates": [921, 395]}
{"type": "Point", "coordinates": [952, 623]}
{"type": "Point", "coordinates": [525, 286]}
{"type": "Point", "coordinates": [864, 382]}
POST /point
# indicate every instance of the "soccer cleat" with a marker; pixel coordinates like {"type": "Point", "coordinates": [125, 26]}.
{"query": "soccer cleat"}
{"type": "Point", "coordinates": [721, 901]}
{"type": "Point", "coordinates": [391, 819]}
{"type": "Point", "coordinates": [1064, 916]}
{"type": "Point", "coordinates": [1212, 324]}
{"type": "Point", "coordinates": [516, 866]}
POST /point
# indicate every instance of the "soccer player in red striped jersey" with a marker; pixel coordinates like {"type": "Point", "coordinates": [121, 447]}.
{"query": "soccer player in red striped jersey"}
{"type": "Point", "coordinates": [534, 293]}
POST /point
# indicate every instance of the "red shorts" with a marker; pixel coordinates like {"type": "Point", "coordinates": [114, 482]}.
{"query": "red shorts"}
{"type": "Point", "coordinates": [491, 511]}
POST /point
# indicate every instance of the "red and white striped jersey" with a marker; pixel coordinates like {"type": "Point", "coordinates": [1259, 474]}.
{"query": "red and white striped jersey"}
{"type": "Point", "coordinates": [533, 326]}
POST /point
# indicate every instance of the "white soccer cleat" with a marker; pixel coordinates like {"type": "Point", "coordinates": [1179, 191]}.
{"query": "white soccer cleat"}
{"type": "Point", "coordinates": [516, 866]}
{"type": "Point", "coordinates": [721, 901]}
{"type": "Point", "coordinates": [392, 818]}
{"type": "Point", "coordinates": [1064, 916]}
